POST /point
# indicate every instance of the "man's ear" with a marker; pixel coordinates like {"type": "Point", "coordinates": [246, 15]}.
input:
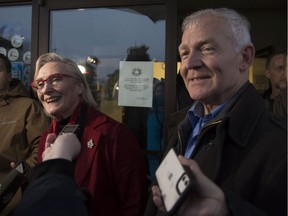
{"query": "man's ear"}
{"type": "Point", "coordinates": [247, 55]}
{"type": "Point", "coordinates": [267, 74]}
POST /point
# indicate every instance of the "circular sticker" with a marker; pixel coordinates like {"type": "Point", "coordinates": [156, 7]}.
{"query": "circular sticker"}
{"type": "Point", "coordinates": [16, 41]}
{"type": "Point", "coordinates": [13, 54]}
{"type": "Point", "coordinates": [27, 57]}
{"type": "Point", "coordinates": [3, 51]}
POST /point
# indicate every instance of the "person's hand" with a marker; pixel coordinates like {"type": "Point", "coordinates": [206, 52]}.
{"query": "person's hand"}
{"type": "Point", "coordinates": [206, 197]}
{"type": "Point", "coordinates": [66, 146]}
{"type": "Point", "coordinates": [13, 165]}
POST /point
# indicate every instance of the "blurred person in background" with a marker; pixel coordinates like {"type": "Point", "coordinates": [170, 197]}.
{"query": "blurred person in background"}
{"type": "Point", "coordinates": [276, 96]}
{"type": "Point", "coordinates": [22, 121]}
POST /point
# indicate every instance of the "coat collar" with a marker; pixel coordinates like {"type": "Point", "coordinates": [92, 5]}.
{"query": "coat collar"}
{"type": "Point", "coordinates": [243, 114]}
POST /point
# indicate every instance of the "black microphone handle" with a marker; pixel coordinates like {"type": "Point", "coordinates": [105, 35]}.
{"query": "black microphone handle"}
{"type": "Point", "coordinates": [10, 184]}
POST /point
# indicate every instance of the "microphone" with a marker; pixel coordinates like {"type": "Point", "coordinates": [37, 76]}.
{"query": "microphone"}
{"type": "Point", "coordinates": [10, 184]}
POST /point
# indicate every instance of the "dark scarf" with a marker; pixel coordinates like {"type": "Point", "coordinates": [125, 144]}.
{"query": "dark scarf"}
{"type": "Point", "coordinates": [78, 117]}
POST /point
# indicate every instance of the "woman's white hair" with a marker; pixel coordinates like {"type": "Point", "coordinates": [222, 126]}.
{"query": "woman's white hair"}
{"type": "Point", "coordinates": [72, 68]}
{"type": "Point", "coordinates": [239, 25]}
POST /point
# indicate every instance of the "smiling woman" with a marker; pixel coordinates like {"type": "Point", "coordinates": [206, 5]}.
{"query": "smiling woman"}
{"type": "Point", "coordinates": [105, 143]}
{"type": "Point", "coordinates": [61, 96]}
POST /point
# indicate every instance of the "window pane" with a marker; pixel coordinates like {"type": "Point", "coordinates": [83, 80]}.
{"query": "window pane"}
{"type": "Point", "coordinates": [15, 39]}
{"type": "Point", "coordinates": [104, 36]}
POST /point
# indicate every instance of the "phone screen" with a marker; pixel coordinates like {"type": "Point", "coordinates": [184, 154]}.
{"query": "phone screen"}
{"type": "Point", "coordinates": [69, 129]}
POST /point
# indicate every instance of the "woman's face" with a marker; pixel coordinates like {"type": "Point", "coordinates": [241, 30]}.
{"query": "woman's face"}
{"type": "Point", "coordinates": [61, 91]}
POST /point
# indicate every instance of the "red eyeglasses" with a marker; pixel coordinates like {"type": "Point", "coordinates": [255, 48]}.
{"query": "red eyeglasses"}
{"type": "Point", "coordinates": [55, 80]}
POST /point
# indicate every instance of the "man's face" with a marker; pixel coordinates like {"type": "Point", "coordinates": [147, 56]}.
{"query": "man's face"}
{"type": "Point", "coordinates": [277, 72]}
{"type": "Point", "coordinates": [5, 77]}
{"type": "Point", "coordinates": [210, 66]}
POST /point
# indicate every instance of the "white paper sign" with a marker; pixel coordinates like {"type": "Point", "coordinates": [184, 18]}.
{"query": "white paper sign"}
{"type": "Point", "coordinates": [135, 84]}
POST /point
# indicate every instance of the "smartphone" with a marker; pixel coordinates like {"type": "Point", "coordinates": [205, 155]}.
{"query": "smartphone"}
{"type": "Point", "coordinates": [175, 182]}
{"type": "Point", "coordinates": [69, 129]}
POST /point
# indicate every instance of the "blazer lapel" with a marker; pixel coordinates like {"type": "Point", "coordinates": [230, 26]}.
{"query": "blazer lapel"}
{"type": "Point", "coordinates": [84, 160]}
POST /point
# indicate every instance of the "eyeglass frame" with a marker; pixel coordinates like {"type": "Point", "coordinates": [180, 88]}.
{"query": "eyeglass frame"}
{"type": "Point", "coordinates": [58, 75]}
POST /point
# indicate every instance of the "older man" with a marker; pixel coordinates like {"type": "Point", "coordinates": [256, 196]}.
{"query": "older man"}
{"type": "Point", "coordinates": [231, 142]}
{"type": "Point", "coordinates": [276, 96]}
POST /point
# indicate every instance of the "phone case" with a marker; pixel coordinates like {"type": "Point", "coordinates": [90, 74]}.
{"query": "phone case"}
{"type": "Point", "coordinates": [174, 181]}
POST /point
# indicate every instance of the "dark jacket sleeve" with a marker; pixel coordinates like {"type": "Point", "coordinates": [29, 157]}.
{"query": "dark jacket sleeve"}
{"type": "Point", "coordinates": [238, 207]}
{"type": "Point", "coordinates": [52, 191]}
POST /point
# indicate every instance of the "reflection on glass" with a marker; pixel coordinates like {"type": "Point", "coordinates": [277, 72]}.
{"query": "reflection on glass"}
{"type": "Point", "coordinates": [107, 34]}
{"type": "Point", "coordinates": [15, 39]}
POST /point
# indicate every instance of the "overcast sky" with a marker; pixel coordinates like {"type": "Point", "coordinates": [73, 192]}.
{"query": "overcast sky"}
{"type": "Point", "coordinates": [101, 32]}
{"type": "Point", "coordinates": [105, 32]}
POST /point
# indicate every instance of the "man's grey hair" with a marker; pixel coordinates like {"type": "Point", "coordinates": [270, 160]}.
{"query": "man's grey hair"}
{"type": "Point", "coordinates": [239, 25]}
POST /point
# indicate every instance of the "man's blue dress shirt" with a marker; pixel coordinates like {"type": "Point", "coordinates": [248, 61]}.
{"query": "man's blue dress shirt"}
{"type": "Point", "coordinates": [198, 119]}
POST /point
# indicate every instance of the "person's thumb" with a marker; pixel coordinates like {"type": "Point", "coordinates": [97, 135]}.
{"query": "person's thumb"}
{"type": "Point", "coordinates": [50, 139]}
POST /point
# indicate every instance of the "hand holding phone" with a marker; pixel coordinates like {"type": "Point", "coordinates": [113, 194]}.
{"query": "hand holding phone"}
{"type": "Point", "coordinates": [175, 182]}
{"type": "Point", "coordinates": [66, 145]}
{"type": "Point", "coordinates": [69, 129]}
